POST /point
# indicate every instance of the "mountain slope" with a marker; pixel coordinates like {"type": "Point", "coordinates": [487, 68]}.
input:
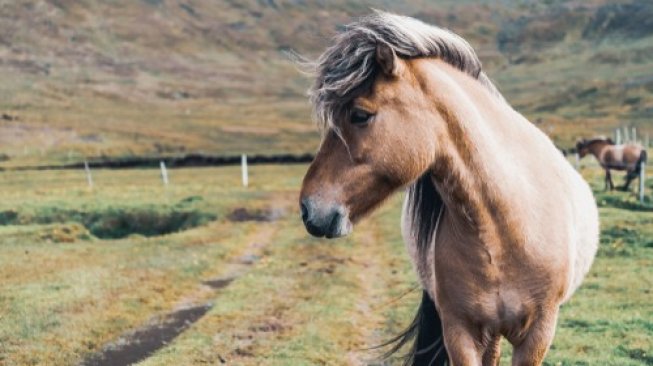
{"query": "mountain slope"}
{"type": "Point", "coordinates": [94, 78]}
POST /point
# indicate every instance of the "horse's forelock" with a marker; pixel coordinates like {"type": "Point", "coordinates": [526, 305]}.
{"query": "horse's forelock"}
{"type": "Point", "coordinates": [348, 67]}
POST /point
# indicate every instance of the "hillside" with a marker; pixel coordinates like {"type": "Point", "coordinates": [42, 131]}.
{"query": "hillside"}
{"type": "Point", "coordinates": [94, 78]}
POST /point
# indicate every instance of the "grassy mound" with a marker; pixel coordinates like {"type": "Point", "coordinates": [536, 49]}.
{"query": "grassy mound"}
{"type": "Point", "coordinates": [116, 222]}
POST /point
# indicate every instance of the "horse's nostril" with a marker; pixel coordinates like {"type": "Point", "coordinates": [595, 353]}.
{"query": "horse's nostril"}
{"type": "Point", "coordinates": [334, 223]}
{"type": "Point", "coordinates": [304, 208]}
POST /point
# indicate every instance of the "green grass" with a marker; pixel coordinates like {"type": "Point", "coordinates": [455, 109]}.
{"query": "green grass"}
{"type": "Point", "coordinates": [121, 79]}
{"type": "Point", "coordinates": [65, 292]}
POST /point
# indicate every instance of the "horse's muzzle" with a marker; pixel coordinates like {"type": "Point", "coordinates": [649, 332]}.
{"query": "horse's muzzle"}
{"type": "Point", "coordinates": [330, 221]}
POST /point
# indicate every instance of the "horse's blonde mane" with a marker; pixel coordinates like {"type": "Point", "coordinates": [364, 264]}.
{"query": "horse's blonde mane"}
{"type": "Point", "coordinates": [348, 67]}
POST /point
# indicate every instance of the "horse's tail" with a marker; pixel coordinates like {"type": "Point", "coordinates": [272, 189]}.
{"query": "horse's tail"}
{"type": "Point", "coordinates": [425, 333]}
{"type": "Point", "coordinates": [643, 157]}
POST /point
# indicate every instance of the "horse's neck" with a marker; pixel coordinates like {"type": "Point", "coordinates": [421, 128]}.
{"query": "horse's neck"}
{"type": "Point", "coordinates": [478, 169]}
{"type": "Point", "coordinates": [488, 167]}
{"type": "Point", "coordinates": [475, 209]}
{"type": "Point", "coordinates": [597, 149]}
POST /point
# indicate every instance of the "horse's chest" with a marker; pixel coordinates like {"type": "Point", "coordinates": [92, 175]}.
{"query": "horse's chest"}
{"type": "Point", "coordinates": [484, 295]}
{"type": "Point", "coordinates": [472, 274]}
{"type": "Point", "coordinates": [495, 287]}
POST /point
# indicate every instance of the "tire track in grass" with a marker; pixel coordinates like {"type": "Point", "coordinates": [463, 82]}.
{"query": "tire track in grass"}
{"type": "Point", "coordinates": [137, 345]}
{"type": "Point", "coordinates": [245, 313]}
{"type": "Point", "coordinates": [311, 302]}
{"type": "Point", "coordinates": [384, 279]}
{"type": "Point", "coordinates": [372, 276]}
{"type": "Point", "coordinates": [337, 308]}
{"type": "Point", "coordinates": [264, 317]}
{"type": "Point", "coordinates": [347, 314]}
{"type": "Point", "coordinates": [238, 265]}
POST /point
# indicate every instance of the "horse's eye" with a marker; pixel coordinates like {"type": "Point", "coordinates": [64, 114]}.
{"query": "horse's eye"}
{"type": "Point", "coordinates": [360, 118]}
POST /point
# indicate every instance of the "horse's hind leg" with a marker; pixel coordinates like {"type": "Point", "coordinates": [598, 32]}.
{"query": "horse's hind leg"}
{"type": "Point", "coordinates": [530, 351]}
{"type": "Point", "coordinates": [629, 178]}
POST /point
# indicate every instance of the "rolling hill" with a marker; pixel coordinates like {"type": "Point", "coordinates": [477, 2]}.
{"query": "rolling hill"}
{"type": "Point", "coordinates": [107, 79]}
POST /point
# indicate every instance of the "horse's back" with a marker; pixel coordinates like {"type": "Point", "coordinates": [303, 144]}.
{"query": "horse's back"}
{"type": "Point", "coordinates": [621, 157]}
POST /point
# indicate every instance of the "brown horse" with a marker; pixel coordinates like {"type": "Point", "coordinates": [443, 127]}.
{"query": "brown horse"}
{"type": "Point", "coordinates": [628, 157]}
{"type": "Point", "coordinates": [500, 228]}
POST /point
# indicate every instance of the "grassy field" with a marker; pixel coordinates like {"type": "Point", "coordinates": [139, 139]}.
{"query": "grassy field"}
{"type": "Point", "coordinates": [86, 270]}
{"type": "Point", "coordinates": [285, 298]}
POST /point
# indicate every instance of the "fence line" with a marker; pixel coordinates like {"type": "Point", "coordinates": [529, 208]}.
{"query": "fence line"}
{"type": "Point", "coordinates": [243, 161]}
{"type": "Point", "coordinates": [164, 173]}
{"type": "Point", "coordinates": [89, 177]}
{"type": "Point", "coordinates": [617, 136]}
{"type": "Point", "coordinates": [625, 135]}
{"type": "Point", "coordinates": [577, 160]}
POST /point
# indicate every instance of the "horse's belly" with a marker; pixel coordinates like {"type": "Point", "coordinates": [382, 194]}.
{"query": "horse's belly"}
{"type": "Point", "coordinates": [575, 253]}
{"type": "Point", "coordinates": [585, 243]}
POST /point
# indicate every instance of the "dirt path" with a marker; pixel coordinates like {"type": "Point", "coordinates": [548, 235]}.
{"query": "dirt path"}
{"type": "Point", "coordinates": [140, 344]}
{"type": "Point", "coordinates": [137, 345]}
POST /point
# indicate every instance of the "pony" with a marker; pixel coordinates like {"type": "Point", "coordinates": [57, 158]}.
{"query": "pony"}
{"type": "Point", "coordinates": [628, 157]}
{"type": "Point", "coordinates": [499, 226]}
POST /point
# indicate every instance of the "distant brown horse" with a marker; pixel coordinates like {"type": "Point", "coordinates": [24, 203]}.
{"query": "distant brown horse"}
{"type": "Point", "coordinates": [628, 157]}
{"type": "Point", "coordinates": [500, 228]}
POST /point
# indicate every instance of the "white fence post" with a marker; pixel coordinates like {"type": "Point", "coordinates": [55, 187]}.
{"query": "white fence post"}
{"type": "Point", "coordinates": [164, 173]}
{"type": "Point", "coordinates": [89, 177]}
{"type": "Point", "coordinates": [634, 134]}
{"type": "Point", "coordinates": [642, 180]}
{"type": "Point", "coordinates": [626, 137]}
{"type": "Point", "coordinates": [243, 161]}
{"type": "Point", "coordinates": [617, 136]}
{"type": "Point", "coordinates": [577, 161]}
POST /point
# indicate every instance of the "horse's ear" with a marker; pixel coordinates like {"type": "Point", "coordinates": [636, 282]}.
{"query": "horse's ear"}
{"type": "Point", "coordinates": [388, 60]}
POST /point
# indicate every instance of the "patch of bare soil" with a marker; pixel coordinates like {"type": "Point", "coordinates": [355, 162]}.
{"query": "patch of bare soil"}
{"type": "Point", "coordinates": [219, 283]}
{"type": "Point", "coordinates": [242, 214]}
{"type": "Point", "coordinates": [247, 259]}
{"type": "Point", "coordinates": [142, 343]}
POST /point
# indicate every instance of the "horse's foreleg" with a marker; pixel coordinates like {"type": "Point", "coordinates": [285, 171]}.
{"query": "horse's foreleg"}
{"type": "Point", "coordinates": [608, 180]}
{"type": "Point", "coordinates": [530, 351]}
{"type": "Point", "coordinates": [462, 347]}
{"type": "Point", "coordinates": [492, 352]}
